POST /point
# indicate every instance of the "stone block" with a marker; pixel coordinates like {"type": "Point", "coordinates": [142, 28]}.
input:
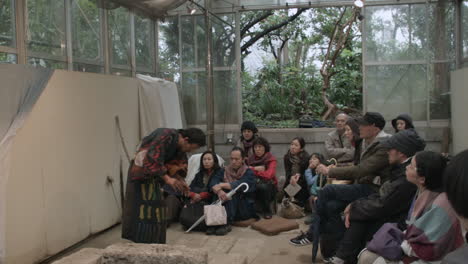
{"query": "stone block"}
{"type": "Point", "coordinates": [129, 253]}
{"type": "Point", "coordinates": [84, 256]}
{"type": "Point", "coordinates": [214, 258]}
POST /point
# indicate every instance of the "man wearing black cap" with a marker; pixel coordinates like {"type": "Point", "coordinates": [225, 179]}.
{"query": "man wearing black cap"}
{"type": "Point", "coordinates": [373, 165]}
{"type": "Point", "coordinates": [365, 216]}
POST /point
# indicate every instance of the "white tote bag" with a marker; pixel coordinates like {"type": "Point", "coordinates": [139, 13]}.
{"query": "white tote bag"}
{"type": "Point", "coordinates": [215, 215]}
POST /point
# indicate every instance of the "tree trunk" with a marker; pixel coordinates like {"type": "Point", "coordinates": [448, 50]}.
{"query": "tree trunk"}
{"type": "Point", "coordinates": [331, 108]}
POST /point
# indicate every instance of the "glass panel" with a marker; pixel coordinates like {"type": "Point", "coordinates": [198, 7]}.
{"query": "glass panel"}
{"type": "Point", "coordinates": [144, 41]}
{"type": "Point", "coordinates": [224, 40]}
{"type": "Point", "coordinates": [168, 44]}
{"type": "Point", "coordinates": [194, 97]}
{"type": "Point", "coordinates": [46, 27]}
{"type": "Point", "coordinates": [82, 67]}
{"type": "Point", "coordinates": [465, 28]}
{"type": "Point", "coordinates": [86, 31]}
{"type": "Point", "coordinates": [170, 76]}
{"type": "Point", "coordinates": [38, 62]}
{"type": "Point", "coordinates": [119, 27]}
{"type": "Point", "coordinates": [7, 58]}
{"type": "Point", "coordinates": [226, 102]}
{"type": "Point", "coordinates": [7, 23]}
{"type": "Point", "coordinates": [200, 33]}
{"type": "Point", "coordinates": [396, 32]}
{"type": "Point", "coordinates": [188, 41]}
{"type": "Point", "coordinates": [440, 89]}
{"type": "Point", "coordinates": [193, 86]}
{"type": "Point", "coordinates": [120, 72]}
{"type": "Point", "coordinates": [396, 89]}
{"type": "Point", "coordinates": [442, 30]}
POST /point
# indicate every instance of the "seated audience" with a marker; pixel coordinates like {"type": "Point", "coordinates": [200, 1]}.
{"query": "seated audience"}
{"type": "Point", "coordinates": [337, 145]}
{"type": "Point", "coordinates": [194, 163]}
{"type": "Point", "coordinates": [433, 229]}
{"type": "Point", "coordinates": [402, 122]}
{"type": "Point", "coordinates": [209, 166]}
{"type": "Point", "coordinates": [391, 203]}
{"type": "Point", "coordinates": [456, 186]}
{"type": "Point", "coordinates": [296, 162]}
{"type": "Point", "coordinates": [249, 133]}
{"type": "Point", "coordinates": [311, 175]}
{"type": "Point", "coordinates": [333, 198]}
{"type": "Point", "coordinates": [352, 134]}
{"type": "Point", "coordinates": [242, 205]}
{"type": "Point", "coordinates": [263, 164]}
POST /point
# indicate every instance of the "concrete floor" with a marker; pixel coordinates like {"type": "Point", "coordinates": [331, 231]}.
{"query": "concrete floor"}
{"type": "Point", "coordinates": [258, 248]}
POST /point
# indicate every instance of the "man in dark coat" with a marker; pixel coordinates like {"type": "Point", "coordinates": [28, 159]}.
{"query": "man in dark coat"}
{"type": "Point", "coordinates": [365, 216]}
{"type": "Point", "coordinates": [144, 212]}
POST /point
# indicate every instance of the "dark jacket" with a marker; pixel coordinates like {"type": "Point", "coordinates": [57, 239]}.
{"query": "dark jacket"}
{"type": "Point", "coordinates": [405, 117]}
{"type": "Point", "coordinates": [391, 203]}
{"type": "Point", "coordinates": [304, 164]}
{"type": "Point", "coordinates": [374, 162]}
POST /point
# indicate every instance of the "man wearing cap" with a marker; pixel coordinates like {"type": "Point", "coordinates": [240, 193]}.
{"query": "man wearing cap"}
{"type": "Point", "coordinates": [337, 145]}
{"type": "Point", "coordinates": [373, 166]}
{"type": "Point", "coordinates": [365, 216]}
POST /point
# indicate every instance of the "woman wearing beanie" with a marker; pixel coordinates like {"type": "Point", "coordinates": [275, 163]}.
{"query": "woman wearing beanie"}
{"type": "Point", "coordinates": [402, 122]}
{"type": "Point", "coordinates": [248, 134]}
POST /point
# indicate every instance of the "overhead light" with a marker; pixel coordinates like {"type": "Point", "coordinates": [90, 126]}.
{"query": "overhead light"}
{"type": "Point", "coordinates": [191, 9]}
{"type": "Point", "coordinates": [359, 3]}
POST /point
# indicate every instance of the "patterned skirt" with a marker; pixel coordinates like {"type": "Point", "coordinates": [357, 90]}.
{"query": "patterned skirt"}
{"type": "Point", "coordinates": [144, 214]}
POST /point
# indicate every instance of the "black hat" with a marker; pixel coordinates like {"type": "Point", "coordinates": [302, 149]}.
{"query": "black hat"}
{"type": "Point", "coordinates": [405, 117]}
{"type": "Point", "coordinates": [250, 126]}
{"type": "Point", "coordinates": [372, 118]}
{"type": "Point", "coordinates": [407, 142]}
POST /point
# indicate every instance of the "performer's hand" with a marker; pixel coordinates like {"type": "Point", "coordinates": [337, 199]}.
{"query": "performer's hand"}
{"type": "Point", "coordinates": [178, 185]}
{"type": "Point", "coordinates": [223, 196]}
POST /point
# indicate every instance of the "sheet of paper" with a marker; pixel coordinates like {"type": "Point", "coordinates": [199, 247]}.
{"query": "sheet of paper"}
{"type": "Point", "coordinates": [292, 189]}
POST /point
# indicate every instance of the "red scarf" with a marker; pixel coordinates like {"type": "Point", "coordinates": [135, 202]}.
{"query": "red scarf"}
{"type": "Point", "coordinates": [253, 160]}
{"type": "Point", "coordinates": [231, 175]}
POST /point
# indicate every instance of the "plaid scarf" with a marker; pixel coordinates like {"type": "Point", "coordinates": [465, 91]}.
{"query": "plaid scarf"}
{"type": "Point", "coordinates": [232, 175]}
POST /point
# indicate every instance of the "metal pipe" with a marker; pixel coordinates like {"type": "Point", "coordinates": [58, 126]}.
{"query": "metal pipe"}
{"type": "Point", "coordinates": [209, 80]}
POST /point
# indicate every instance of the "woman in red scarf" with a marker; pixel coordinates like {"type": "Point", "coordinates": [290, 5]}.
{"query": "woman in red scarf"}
{"type": "Point", "coordinates": [263, 164]}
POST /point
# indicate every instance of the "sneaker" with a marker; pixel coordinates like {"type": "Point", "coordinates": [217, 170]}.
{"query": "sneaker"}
{"type": "Point", "coordinates": [210, 230]}
{"type": "Point", "coordinates": [333, 260]}
{"type": "Point", "coordinates": [301, 240]}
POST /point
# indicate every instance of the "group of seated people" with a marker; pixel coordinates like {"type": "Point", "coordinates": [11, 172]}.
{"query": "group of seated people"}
{"type": "Point", "coordinates": [389, 179]}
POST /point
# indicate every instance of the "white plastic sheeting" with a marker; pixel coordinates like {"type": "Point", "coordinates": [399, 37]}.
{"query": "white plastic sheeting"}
{"type": "Point", "coordinates": [194, 166]}
{"type": "Point", "coordinates": [159, 104]}
{"type": "Point", "coordinates": [18, 94]}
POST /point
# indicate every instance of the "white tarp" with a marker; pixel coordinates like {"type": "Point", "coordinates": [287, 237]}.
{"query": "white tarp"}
{"type": "Point", "coordinates": [159, 104]}
{"type": "Point", "coordinates": [21, 87]}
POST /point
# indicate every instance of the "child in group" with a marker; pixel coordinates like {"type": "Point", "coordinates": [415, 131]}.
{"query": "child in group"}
{"type": "Point", "coordinates": [312, 177]}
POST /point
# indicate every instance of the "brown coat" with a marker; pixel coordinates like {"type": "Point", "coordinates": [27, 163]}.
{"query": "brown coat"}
{"type": "Point", "coordinates": [339, 147]}
{"type": "Point", "coordinates": [374, 162]}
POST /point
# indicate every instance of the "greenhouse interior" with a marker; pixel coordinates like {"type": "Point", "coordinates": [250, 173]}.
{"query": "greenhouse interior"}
{"type": "Point", "coordinates": [80, 79]}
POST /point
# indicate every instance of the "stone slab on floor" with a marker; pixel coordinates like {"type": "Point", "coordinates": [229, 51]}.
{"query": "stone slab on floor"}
{"type": "Point", "coordinates": [131, 253]}
{"type": "Point", "coordinates": [249, 247]}
{"type": "Point", "coordinates": [84, 256]}
{"type": "Point", "coordinates": [216, 258]}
